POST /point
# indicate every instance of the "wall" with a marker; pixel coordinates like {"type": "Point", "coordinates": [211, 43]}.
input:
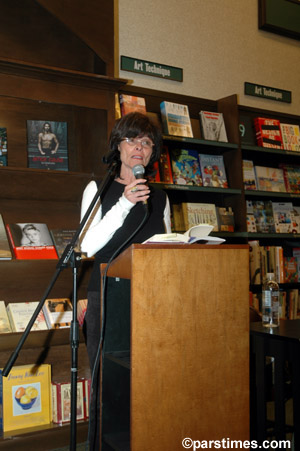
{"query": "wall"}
{"type": "Point", "coordinates": [217, 43]}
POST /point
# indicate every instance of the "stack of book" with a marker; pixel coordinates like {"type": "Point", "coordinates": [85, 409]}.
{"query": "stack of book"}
{"type": "Point", "coordinates": [273, 217]}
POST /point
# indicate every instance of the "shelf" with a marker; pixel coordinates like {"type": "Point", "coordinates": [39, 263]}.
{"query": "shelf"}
{"type": "Point", "coordinates": [121, 358]}
{"type": "Point", "coordinates": [200, 142]}
{"type": "Point", "coordinates": [47, 436]}
{"type": "Point", "coordinates": [204, 189]}
{"type": "Point", "coordinates": [38, 339]}
{"type": "Point", "coordinates": [280, 236]}
{"type": "Point", "coordinates": [256, 193]}
{"type": "Point", "coordinates": [270, 150]}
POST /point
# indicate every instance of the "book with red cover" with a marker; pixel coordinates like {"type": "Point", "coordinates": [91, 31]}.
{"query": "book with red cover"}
{"type": "Point", "coordinates": [31, 241]}
{"type": "Point", "coordinates": [128, 104]}
{"type": "Point", "coordinates": [166, 174]}
{"type": "Point", "coordinates": [268, 132]}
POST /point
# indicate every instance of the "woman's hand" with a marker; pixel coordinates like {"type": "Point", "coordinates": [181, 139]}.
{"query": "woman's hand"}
{"type": "Point", "coordinates": [137, 191]}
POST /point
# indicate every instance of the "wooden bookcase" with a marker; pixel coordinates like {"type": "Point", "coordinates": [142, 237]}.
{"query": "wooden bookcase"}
{"type": "Point", "coordinates": [87, 103]}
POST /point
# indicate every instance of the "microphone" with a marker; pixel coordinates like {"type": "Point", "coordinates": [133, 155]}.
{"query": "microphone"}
{"type": "Point", "coordinates": [139, 171]}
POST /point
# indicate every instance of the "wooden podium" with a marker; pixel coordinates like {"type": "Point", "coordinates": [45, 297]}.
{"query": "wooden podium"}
{"type": "Point", "coordinates": [176, 351]}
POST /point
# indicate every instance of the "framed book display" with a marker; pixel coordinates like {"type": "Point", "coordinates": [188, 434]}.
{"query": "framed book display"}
{"type": "Point", "coordinates": [47, 146]}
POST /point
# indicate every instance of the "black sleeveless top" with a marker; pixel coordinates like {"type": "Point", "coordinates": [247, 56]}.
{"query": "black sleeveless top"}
{"type": "Point", "coordinates": [154, 224]}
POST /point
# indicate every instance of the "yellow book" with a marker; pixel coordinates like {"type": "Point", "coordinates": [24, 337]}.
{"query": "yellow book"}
{"type": "Point", "coordinates": [27, 397]}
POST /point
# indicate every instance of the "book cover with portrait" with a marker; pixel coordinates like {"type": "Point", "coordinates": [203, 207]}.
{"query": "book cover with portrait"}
{"type": "Point", "coordinates": [31, 241]}
{"type": "Point", "coordinates": [47, 145]}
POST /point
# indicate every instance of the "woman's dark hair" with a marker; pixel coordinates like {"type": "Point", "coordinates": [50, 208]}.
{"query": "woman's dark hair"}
{"type": "Point", "coordinates": [133, 125]}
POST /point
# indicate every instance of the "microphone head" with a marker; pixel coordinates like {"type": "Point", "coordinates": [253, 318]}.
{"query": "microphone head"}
{"type": "Point", "coordinates": [138, 171]}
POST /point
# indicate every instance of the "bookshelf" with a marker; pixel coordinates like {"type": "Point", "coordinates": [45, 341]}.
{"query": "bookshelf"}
{"type": "Point", "coordinates": [86, 102]}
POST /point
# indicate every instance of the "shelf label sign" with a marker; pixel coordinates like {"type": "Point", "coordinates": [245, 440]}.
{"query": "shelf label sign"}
{"type": "Point", "coordinates": [280, 95]}
{"type": "Point", "coordinates": [151, 69]}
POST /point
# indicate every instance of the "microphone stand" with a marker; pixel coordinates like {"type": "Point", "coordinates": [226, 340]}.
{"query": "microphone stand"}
{"type": "Point", "coordinates": [72, 259]}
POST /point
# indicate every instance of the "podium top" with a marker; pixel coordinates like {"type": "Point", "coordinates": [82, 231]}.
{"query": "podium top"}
{"type": "Point", "coordinates": [122, 265]}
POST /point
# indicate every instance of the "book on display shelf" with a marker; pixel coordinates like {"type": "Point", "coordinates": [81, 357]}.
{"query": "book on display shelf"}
{"type": "Point", "coordinates": [31, 241]}
{"type": "Point", "coordinates": [5, 252]}
{"type": "Point", "coordinates": [249, 178]}
{"type": "Point", "coordinates": [61, 238]}
{"type": "Point", "coordinates": [61, 401]}
{"type": "Point", "coordinates": [225, 219]}
{"type": "Point", "coordinates": [177, 216]}
{"type": "Point", "coordinates": [268, 132]}
{"type": "Point", "coordinates": [165, 166]}
{"type": "Point", "coordinates": [20, 313]}
{"type": "Point", "coordinates": [213, 171]}
{"type": "Point", "coordinates": [199, 213]}
{"type": "Point", "coordinates": [26, 397]}
{"type": "Point", "coordinates": [176, 119]}
{"type": "Point", "coordinates": [5, 326]}
{"type": "Point", "coordinates": [291, 174]}
{"type": "Point", "coordinates": [213, 126]}
{"type": "Point", "coordinates": [47, 145]}
{"type": "Point", "coordinates": [81, 310]}
{"type": "Point", "coordinates": [3, 146]}
{"type": "Point", "coordinates": [283, 217]}
{"type": "Point", "coordinates": [264, 219]}
{"type": "Point", "coordinates": [185, 167]}
{"type": "Point", "coordinates": [155, 177]}
{"type": "Point", "coordinates": [270, 179]}
{"type": "Point", "coordinates": [129, 104]}
{"type": "Point", "coordinates": [196, 234]}
{"type": "Point", "coordinates": [290, 136]}
{"type": "Point", "coordinates": [58, 313]}
{"type": "Point", "coordinates": [255, 262]}
{"type": "Point", "coordinates": [290, 269]}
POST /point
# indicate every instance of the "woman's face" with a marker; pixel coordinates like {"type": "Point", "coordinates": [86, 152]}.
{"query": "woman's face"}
{"type": "Point", "coordinates": [33, 235]}
{"type": "Point", "coordinates": [135, 151]}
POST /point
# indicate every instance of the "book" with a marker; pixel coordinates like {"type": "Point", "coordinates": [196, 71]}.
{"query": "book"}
{"type": "Point", "coordinates": [213, 126]}
{"type": "Point", "coordinates": [251, 224]}
{"type": "Point", "coordinates": [247, 133]}
{"type": "Point", "coordinates": [177, 217]}
{"type": "Point", "coordinates": [128, 104]}
{"type": "Point", "coordinates": [26, 397]}
{"type": "Point", "coordinates": [197, 233]}
{"type": "Point", "coordinates": [291, 175]}
{"type": "Point", "coordinates": [270, 179]}
{"type": "Point", "coordinates": [264, 218]}
{"type": "Point", "coordinates": [282, 212]}
{"type": "Point", "coordinates": [5, 252]}
{"type": "Point", "coordinates": [81, 310]}
{"type": "Point", "coordinates": [20, 313]}
{"type": "Point", "coordinates": [185, 167]}
{"type": "Point", "coordinates": [61, 238]}
{"type": "Point", "coordinates": [47, 145]}
{"type": "Point", "coordinates": [3, 146]}
{"type": "Point", "coordinates": [249, 175]}
{"type": "Point", "coordinates": [176, 119]}
{"type": "Point", "coordinates": [290, 136]}
{"type": "Point", "coordinates": [58, 313]}
{"type": "Point", "coordinates": [254, 261]}
{"type": "Point", "coordinates": [166, 174]}
{"type": "Point", "coordinates": [268, 132]}
{"type": "Point", "coordinates": [290, 269]}
{"type": "Point", "coordinates": [213, 170]}
{"type": "Point", "coordinates": [5, 326]}
{"type": "Point", "coordinates": [225, 217]}
{"type": "Point", "coordinates": [31, 241]}
{"type": "Point", "coordinates": [155, 177]}
{"type": "Point", "coordinates": [199, 213]}
{"type": "Point", "coordinates": [61, 401]}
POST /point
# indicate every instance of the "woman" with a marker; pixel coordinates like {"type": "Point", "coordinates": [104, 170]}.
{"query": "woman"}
{"type": "Point", "coordinates": [134, 140]}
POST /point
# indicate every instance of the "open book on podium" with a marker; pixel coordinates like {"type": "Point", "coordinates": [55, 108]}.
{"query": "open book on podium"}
{"type": "Point", "coordinates": [196, 234]}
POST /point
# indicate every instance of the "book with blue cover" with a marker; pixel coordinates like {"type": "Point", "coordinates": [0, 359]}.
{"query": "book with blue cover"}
{"type": "Point", "coordinates": [185, 167]}
{"type": "Point", "coordinates": [213, 171]}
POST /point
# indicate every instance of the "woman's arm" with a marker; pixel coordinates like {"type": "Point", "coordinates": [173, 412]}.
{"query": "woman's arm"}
{"type": "Point", "coordinates": [98, 231]}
